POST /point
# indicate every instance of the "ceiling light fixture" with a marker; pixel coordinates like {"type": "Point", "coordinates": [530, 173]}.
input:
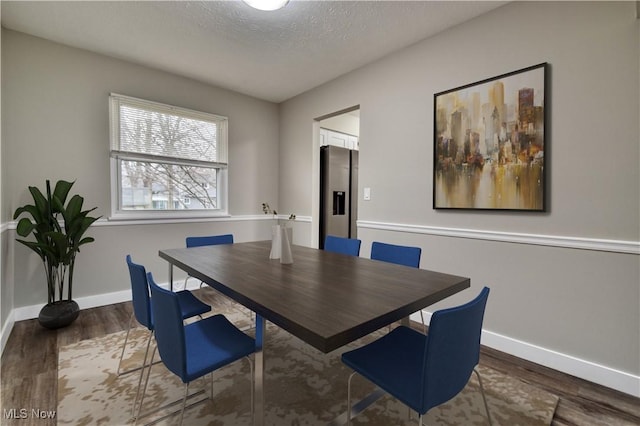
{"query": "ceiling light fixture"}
{"type": "Point", "coordinates": [267, 4]}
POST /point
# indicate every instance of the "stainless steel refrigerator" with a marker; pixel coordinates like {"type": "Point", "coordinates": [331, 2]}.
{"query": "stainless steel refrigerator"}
{"type": "Point", "coordinates": [338, 192]}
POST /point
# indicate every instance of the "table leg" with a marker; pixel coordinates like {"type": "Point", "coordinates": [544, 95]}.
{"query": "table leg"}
{"type": "Point", "coordinates": [258, 415]}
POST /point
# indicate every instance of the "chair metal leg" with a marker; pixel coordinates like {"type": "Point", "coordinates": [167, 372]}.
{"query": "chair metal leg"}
{"type": "Point", "coordinates": [166, 406]}
{"type": "Point", "coordinates": [211, 377]}
{"type": "Point", "coordinates": [252, 390]}
{"type": "Point", "coordinates": [126, 339]}
{"type": "Point", "coordinates": [484, 398]}
{"type": "Point", "coordinates": [142, 368]}
{"type": "Point", "coordinates": [187, 279]}
{"type": "Point", "coordinates": [202, 284]}
{"type": "Point", "coordinates": [146, 383]}
{"type": "Point", "coordinates": [355, 409]}
{"type": "Point", "coordinates": [349, 398]}
{"type": "Point", "coordinates": [184, 402]}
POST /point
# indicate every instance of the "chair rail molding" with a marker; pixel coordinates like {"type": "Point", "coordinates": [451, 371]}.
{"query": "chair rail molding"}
{"type": "Point", "coordinates": [616, 246]}
{"type": "Point", "coordinates": [237, 218]}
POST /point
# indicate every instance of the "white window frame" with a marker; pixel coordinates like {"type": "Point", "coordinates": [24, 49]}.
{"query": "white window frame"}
{"type": "Point", "coordinates": [117, 213]}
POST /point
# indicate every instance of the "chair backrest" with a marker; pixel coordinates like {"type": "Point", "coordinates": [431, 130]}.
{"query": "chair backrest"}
{"type": "Point", "coordinates": [452, 350]}
{"type": "Point", "coordinates": [350, 246]}
{"type": "Point", "coordinates": [401, 255]}
{"type": "Point", "coordinates": [140, 293]}
{"type": "Point", "coordinates": [211, 240]}
{"type": "Point", "coordinates": [169, 328]}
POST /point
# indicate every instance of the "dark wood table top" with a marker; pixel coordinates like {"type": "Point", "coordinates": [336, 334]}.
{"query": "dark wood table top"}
{"type": "Point", "coordinates": [325, 299]}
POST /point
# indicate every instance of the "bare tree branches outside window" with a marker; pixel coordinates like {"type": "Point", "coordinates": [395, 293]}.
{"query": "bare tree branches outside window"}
{"type": "Point", "coordinates": [167, 160]}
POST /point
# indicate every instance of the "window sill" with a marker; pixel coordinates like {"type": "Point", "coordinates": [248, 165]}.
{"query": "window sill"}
{"type": "Point", "coordinates": [166, 217]}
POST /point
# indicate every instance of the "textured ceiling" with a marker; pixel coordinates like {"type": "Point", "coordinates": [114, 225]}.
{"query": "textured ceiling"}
{"type": "Point", "coordinates": [268, 55]}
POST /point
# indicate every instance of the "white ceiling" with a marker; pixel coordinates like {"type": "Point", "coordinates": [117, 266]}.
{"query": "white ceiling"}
{"type": "Point", "coordinates": [268, 55]}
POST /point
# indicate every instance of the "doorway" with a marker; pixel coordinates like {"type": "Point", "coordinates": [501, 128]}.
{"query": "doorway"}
{"type": "Point", "coordinates": [336, 154]}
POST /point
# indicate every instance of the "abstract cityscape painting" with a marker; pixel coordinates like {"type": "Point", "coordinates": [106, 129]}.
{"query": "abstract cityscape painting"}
{"type": "Point", "coordinates": [489, 143]}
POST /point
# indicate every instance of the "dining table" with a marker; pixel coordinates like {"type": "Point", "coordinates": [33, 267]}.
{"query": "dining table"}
{"type": "Point", "coordinates": [325, 299]}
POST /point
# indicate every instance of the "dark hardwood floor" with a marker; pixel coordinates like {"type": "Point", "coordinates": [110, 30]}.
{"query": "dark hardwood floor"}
{"type": "Point", "coordinates": [29, 373]}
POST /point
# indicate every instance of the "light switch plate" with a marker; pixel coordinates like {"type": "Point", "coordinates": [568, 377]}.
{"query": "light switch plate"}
{"type": "Point", "coordinates": [367, 194]}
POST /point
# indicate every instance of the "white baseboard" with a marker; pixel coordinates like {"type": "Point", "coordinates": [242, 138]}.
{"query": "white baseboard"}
{"type": "Point", "coordinates": [596, 373]}
{"type": "Point", "coordinates": [587, 370]}
{"type": "Point", "coordinates": [6, 330]}
{"type": "Point", "coordinates": [30, 312]}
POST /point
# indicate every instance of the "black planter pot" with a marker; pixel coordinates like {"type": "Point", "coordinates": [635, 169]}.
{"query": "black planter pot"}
{"type": "Point", "coordinates": [58, 314]}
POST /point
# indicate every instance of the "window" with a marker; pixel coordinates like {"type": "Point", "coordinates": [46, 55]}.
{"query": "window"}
{"type": "Point", "coordinates": [166, 161]}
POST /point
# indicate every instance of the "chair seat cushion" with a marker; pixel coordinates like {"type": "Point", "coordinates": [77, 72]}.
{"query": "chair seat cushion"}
{"type": "Point", "coordinates": [393, 362]}
{"type": "Point", "coordinates": [191, 305]}
{"type": "Point", "coordinates": [213, 343]}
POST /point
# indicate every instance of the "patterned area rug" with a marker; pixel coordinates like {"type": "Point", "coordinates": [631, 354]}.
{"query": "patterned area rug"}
{"type": "Point", "coordinates": [302, 387]}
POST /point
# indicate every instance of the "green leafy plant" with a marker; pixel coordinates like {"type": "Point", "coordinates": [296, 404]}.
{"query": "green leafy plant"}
{"type": "Point", "coordinates": [58, 227]}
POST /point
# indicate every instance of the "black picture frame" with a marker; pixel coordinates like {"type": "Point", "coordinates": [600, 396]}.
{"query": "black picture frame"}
{"type": "Point", "coordinates": [489, 143]}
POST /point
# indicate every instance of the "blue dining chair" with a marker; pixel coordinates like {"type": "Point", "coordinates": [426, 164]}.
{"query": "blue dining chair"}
{"type": "Point", "coordinates": [401, 255]}
{"type": "Point", "coordinates": [191, 307]}
{"type": "Point", "coordinates": [424, 371]}
{"type": "Point", "coordinates": [350, 246]}
{"type": "Point", "coordinates": [214, 240]}
{"type": "Point", "coordinates": [208, 240]}
{"type": "Point", "coordinates": [194, 350]}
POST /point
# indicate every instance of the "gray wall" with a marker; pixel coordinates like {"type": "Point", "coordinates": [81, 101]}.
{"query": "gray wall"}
{"type": "Point", "coordinates": [55, 126]}
{"type": "Point", "coordinates": [580, 303]}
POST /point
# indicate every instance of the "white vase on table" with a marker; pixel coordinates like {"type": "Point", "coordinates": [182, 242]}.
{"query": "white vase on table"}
{"type": "Point", "coordinates": [276, 242]}
{"type": "Point", "coordinates": [286, 256]}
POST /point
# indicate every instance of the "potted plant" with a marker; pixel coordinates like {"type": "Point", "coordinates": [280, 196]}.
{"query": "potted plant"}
{"type": "Point", "coordinates": [58, 227]}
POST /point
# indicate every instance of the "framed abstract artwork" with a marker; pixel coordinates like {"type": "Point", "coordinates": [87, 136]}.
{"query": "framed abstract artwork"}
{"type": "Point", "coordinates": [489, 143]}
